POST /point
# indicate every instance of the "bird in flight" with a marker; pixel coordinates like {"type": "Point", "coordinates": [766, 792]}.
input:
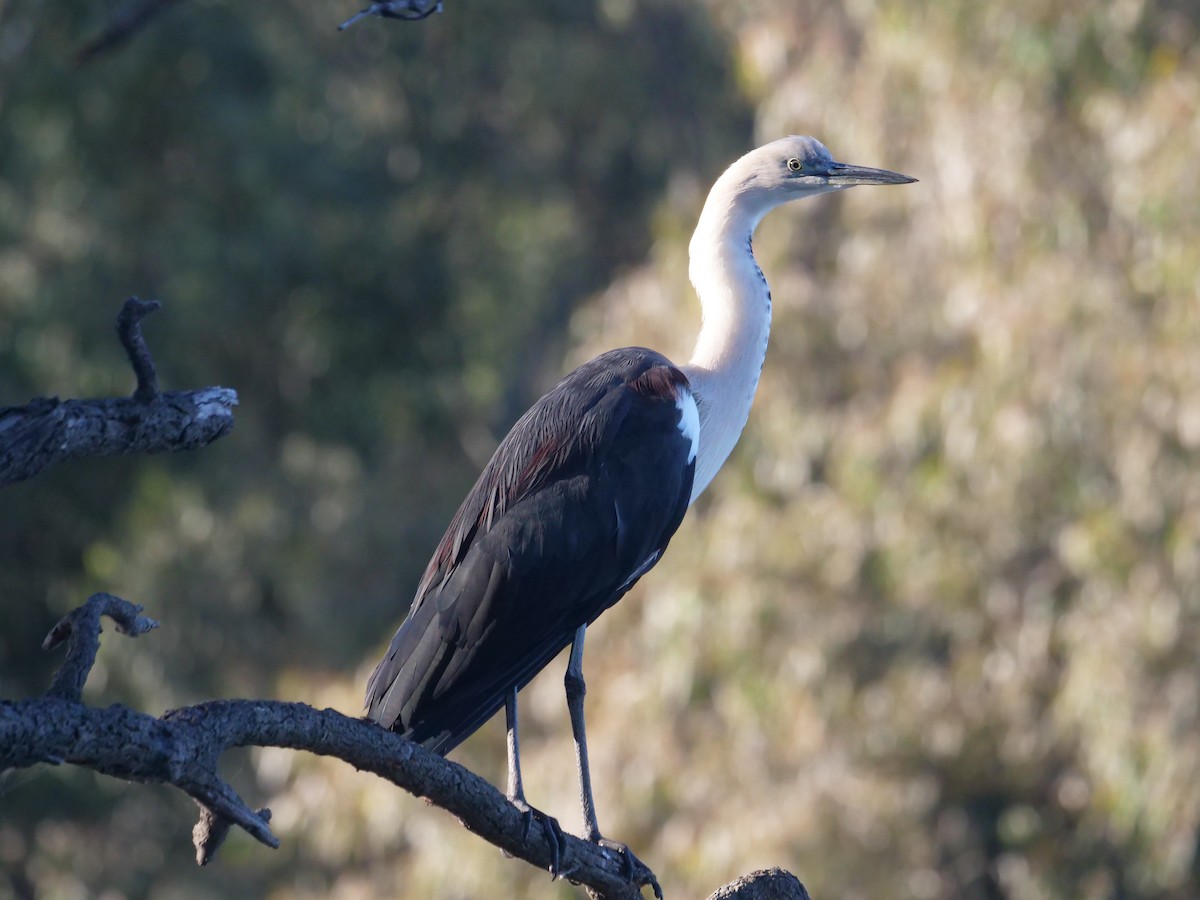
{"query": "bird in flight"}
{"type": "Point", "coordinates": [582, 496]}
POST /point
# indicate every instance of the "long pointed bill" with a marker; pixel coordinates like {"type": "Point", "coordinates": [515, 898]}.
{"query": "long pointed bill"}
{"type": "Point", "coordinates": [846, 175]}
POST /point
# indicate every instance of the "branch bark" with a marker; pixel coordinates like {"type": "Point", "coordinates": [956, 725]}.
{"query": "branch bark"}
{"type": "Point", "coordinates": [132, 17]}
{"type": "Point", "coordinates": [183, 747]}
{"type": "Point", "coordinates": [47, 430]}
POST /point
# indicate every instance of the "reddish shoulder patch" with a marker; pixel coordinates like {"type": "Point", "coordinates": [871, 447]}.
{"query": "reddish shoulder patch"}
{"type": "Point", "coordinates": [660, 383]}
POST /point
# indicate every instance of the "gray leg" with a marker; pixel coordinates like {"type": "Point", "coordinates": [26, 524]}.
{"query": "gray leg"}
{"type": "Point", "coordinates": [573, 681]}
{"type": "Point", "coordinates": [516, 790]}
{"type": "Point", "coordinates": [575, 692]}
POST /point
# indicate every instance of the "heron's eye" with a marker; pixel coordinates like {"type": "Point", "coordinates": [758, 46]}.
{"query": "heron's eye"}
{"type": "Point", "coordinates": [795, 165]}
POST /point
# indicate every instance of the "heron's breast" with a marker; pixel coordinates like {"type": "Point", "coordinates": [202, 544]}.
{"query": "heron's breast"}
{"type": "Point", "coordinates": [689, 420]}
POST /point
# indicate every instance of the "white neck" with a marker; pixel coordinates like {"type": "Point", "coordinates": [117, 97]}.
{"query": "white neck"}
{"type": "Point", "coordinates": [736, 304]}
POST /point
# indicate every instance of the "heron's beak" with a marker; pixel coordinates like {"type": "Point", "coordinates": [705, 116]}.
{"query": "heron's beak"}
{"type": "Point", "coordinates": [843, 175]}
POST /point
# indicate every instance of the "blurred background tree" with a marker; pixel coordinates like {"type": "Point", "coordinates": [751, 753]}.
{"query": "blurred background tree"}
{"type": "Point", "coordinates": [931, 634]}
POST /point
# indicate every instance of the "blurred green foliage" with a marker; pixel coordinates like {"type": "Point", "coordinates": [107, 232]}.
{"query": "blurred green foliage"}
{"type": "Point", "coordinates": [931, 634]}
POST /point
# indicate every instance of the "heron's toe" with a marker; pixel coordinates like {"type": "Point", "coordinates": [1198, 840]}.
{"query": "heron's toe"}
{"type": "Point", "coordinates": [635, 871]}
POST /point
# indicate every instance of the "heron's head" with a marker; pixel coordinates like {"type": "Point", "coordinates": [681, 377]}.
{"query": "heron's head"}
{"type": "Point", "coordinates": [798, 166]}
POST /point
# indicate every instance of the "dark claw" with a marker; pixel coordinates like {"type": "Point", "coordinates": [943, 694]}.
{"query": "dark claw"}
{"type": "Point", "coordinates": [526, 818]}
{"type": "Point", "coordinates": [558, 843]}
{"type": "Point", "coordinates": [635, 871]}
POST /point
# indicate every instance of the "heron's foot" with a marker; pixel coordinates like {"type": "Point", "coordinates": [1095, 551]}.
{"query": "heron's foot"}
{"type": "Point", "coordinates": [635, 871]}
{"type": "Point", "coordinates": [554, 834]}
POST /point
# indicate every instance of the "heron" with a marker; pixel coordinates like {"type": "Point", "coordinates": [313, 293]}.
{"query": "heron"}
{"type": "Point", "coordinates": [583, 495]}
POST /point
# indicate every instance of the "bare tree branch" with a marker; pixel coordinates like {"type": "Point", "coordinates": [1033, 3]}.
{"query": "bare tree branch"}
{"type": "Point", "coordinates": [132, 17]}
{"type": "Point", "coordinates": [47, 430]}
{"type": "Point", "coordinates": [409, 10]}
{"type": "Point", "coordinates": [183, 747]}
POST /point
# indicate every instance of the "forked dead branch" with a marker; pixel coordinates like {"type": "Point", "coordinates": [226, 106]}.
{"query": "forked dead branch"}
{"type": "Point", "coordinates": [47, 430]}
{"type": "Point", "coordinates": [184, 746]}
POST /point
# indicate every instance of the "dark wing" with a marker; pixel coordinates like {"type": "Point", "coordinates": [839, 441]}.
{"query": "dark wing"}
{"type": "Point", "coordinates": [579, 500]}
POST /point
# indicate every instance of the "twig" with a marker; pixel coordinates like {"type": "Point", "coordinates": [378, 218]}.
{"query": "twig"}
{"type": "Point", "coordinates": [81, 629]}
{"type": "Point", "coordinates": [409, 10]}
{"type": "Point", "coordinates": [129, 330]}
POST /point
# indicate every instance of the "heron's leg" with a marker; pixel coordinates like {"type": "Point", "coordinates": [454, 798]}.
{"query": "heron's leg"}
{"type": "Point", "coordinates": [516, 789]}
{"type": "Point", "coordinates": [573, 682]}
{"type": "Point", "coordinates": [576, 689]}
